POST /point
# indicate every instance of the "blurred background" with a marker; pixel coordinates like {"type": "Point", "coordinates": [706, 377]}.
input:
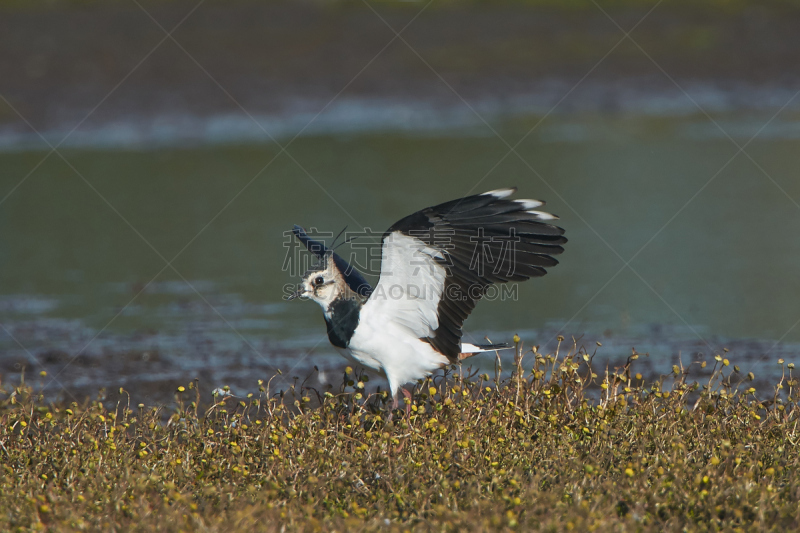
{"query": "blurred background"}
{"type": "Point", "coordinates": [152, 155]}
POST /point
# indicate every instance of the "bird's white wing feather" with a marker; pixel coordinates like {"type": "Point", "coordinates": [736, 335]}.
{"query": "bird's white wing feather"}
{"type": "Point", "coordinates": [410, 285]}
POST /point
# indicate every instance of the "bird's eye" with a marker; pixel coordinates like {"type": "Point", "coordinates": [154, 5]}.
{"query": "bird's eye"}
{"type": "Point", "coordinates": [318, 280]}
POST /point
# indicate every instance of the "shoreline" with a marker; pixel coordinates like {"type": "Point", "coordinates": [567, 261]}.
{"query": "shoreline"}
{"type": "Point", "coordinates": [283, 63]}
{"type": "Point", "coordinates": [346, 117]}
{"type": "Point", "coordinates": [151, 365]}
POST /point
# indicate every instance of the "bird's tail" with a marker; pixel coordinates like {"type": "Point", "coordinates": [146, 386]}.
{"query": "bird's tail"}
{"type": "Point", "coordinates": [478, 348]}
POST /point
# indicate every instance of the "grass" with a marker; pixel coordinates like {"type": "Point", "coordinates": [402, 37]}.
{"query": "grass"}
{"type": "Point", "coordinates": [556, 445]}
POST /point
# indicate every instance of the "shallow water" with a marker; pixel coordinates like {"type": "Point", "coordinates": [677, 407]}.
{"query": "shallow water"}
{"type": "Point", "coordinates": [711, 236]}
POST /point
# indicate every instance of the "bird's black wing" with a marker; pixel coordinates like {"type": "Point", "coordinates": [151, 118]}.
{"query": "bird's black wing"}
{"type": "Point", "coordinates": [449, 254]}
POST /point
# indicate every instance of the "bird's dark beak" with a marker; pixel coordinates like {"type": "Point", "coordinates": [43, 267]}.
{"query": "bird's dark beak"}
{"type": "Point", "coordinates": [296, 294]}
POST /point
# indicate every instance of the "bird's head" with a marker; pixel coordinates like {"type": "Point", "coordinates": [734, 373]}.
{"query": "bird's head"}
{"type": "Point", "coordinates": [322, 283]}
{"type": "Point", "coordinates": [330, 278]}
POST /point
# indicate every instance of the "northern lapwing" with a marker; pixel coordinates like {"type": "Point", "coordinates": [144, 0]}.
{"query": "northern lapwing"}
{"type": "Point", "coordinates": [435, 265]}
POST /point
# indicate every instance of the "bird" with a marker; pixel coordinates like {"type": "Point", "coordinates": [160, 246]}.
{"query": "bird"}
{"type": "Point", "coordinates": [436, 264]}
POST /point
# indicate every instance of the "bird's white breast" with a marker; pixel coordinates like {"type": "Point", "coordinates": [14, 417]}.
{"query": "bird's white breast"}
{"type": "Point", "coordinates": [391, 349]}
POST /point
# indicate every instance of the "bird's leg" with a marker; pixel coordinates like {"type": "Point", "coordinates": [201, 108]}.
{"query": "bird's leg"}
{"type": "Point", "coordinates": [396, 401]}
{"type": "Point", "coordinates": [406, 395]}
{"type": "Point", "coordinates": [395, 405]}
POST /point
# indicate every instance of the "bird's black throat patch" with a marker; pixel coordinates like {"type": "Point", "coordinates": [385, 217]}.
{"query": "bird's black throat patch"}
{"type": "Point", "coordinates": [342, 320]}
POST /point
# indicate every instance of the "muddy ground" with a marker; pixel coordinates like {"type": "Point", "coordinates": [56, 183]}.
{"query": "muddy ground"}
{"type": "Point", "coordinates": [150, 366]}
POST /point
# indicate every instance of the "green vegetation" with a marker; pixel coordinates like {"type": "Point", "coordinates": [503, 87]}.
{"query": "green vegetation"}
{"type": "Point", "coordinates": [557, 445]}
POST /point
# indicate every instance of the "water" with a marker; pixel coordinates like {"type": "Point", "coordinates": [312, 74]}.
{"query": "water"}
{"type": "Point", "coordinates": [711, 236]}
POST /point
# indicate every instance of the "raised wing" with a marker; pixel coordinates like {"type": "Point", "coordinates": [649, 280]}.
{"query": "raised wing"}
{"type": "Point", "coordinates": [438, 262]}
{"type": "Point", "coordinates": [352, 277]}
